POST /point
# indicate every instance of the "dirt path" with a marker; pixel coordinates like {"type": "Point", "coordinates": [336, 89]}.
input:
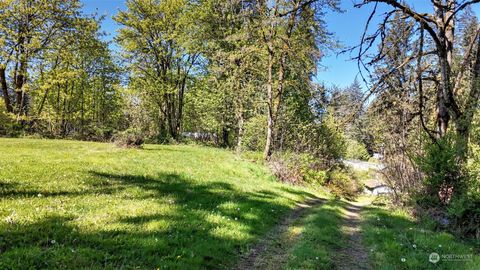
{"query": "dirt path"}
{"type": "Point", "coordinates": [354, 255]}
{"type": "Point", "coordinates": [271, 252]}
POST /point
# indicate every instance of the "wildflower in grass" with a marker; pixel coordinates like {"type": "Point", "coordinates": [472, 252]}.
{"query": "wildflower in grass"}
{"type": "Point", "coordinates": [316, 258]}
{"type": "Point", "coordinates": [9, 220]}
{"type": "Point", "coordinates": [403, 260]}
{"type": "Point", "coordinates": [440, 246]}
{"type": "Point", "coordinates": [236, 218]}
{"type": "Point", "coordinates": [414, 246]}
{"type": "Point", "coordinates": [39, 195]}
{"type": "Point", "coordinates": [53, 241]}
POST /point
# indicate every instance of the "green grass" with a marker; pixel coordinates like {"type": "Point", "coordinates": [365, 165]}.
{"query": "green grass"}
{"type": "Point", "coordinates": [397, 241]}
{"type": "Point", "coordinates": [320, 238]}
{"type": "Point", "coordinates": [69, 204]}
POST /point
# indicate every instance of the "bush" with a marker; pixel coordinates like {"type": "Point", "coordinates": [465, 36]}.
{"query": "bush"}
{"type": "Point", "coordinates": [343, 184]}
{"type": "Point", "coordinates": [357, 150]}
{"type": "Point", "coordinates": [95, 133]}
{"type": "Point", "coordinates": [451, 189]}
{"type": "Point", "coordinates": [442, 172]}
{"type": "Point", "coordinates": [129, 138]}
{"type": "Point", "coordinates": [464, 210]}
{"type": "Point", "coordinates": [8, 125]}
{"type": "Point", "coordinates": [464, 213]}
{"type": "Point", "coordinates": [297, 168]}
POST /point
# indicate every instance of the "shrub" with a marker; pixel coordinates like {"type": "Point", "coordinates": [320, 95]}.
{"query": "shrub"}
{"type": "Point", "coordinates": [442, 172]}
{"type": "Point", "coordinates": [8, 125]}
{"type": "Point", "coordinates": [285, 170]}
{"type": "Point", "coordinates": [451, 189]}
{"type": "Point", "coordinates": [464, 210]}
{"type": "Point", "coordinates": [298, 168]}
{"type": "Point", "coordinates": [129, 138]}
{"type": "Point", "coordinates": [356, 150]}
{"type": "Point", "coordinates": [343, 184]}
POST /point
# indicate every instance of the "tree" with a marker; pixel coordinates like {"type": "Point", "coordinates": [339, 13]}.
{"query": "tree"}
{"type": "Point", "coordinates": [155, 39]}
{"type": "Point", "coordinates": [451, 103]}
{"type": "Point", "coordinates": [27, 29]}
{"type": "Point", "coordinates": [284, 39]}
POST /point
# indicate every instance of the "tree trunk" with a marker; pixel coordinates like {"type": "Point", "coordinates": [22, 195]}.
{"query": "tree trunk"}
{"type": "Point", "coordinates": [225, 140]}
{"type": "Point", "coordinates": [6, 97]}
{"type": "Point", "coordinates": [270, 118]}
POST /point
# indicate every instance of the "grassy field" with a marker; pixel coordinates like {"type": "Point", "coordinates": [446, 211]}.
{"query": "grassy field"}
{"type": "Point", "coordinates": [69, 204]}
{"type": "Point", "coordinates": [83, 205]}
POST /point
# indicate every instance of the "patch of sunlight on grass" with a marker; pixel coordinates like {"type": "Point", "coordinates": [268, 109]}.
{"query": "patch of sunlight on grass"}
{"type": "Point", "coordinates": [397, 241]}
{"type": "Point", "coordinates": [320, 238]}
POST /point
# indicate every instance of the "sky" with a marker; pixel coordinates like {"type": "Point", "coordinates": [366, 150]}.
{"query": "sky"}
{"type": "Point", "coordinates": [346, 27]}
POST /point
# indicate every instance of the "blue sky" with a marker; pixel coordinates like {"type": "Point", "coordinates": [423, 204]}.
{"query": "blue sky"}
{"type": "Point", "coordinates": [347, 28]}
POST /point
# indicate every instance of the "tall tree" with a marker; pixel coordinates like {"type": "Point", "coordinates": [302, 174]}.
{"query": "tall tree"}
{"type": "Point", "coordinates": [279, 24]}
{"type": "Point", "coordinates": [155, 39]}
{"type": "Point", "coordinates": [28, 28]}
{"type": "Point", "coordinates": [451, 103]}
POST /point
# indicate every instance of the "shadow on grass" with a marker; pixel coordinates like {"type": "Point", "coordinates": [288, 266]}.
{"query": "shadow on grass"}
{"type": "Point", "coordinates": [210, 224]}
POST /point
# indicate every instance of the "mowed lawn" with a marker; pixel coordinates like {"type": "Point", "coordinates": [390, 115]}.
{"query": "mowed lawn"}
{"type": "Point", "coordinates": [70, 204]}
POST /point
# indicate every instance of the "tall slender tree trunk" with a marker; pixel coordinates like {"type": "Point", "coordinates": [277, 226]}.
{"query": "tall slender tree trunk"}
{"type": "Point", "coordinates": [3, 85]}
{"type": "Point", "coordinates": [445, 55]}
{"type": "Point", "coordinates": [270, 118]}
{"type": "Point", "coordinates": [240, 120]}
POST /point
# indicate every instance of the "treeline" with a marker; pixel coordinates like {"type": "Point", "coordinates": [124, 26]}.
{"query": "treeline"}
{"type": "Point", "coordinates": [236, 73]}
{"type": "Point", "coordinates": [57, 76]}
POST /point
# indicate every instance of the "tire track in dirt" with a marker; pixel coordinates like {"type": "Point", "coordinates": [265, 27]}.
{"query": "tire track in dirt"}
{"type": "Point", "coordinates": [354, 255]}
{"type": "Point", "coordinates": [271, 252]}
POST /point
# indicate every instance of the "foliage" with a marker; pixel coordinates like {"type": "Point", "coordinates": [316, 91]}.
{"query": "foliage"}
{"type": "Point", "coordinates": [356, 150]}
{"type": "Point", "coordinates": [297, 168]}
{"type": "Point", "coordinates": [343, 184]}
{"type": "Point", "coordinates": [255, 133]}
{"type": "Point", "coordinates": [442, 171]}
{"type": "Point", "coordinates": [464, 209]}
{"type": "Point", "coordinates": [8, 125]}
{"type": "Point", "coordinates": [61, 81]}
{"type": "Point", "coordinates": [129, 138]}
{"type": "Point", "coordinates": [160, 56]}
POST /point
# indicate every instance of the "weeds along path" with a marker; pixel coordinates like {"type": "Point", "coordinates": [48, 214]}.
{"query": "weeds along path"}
{"type": "Point", "coordinates": [272, 251]}
{"type": "Point", "coordinates": [353, 255]}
